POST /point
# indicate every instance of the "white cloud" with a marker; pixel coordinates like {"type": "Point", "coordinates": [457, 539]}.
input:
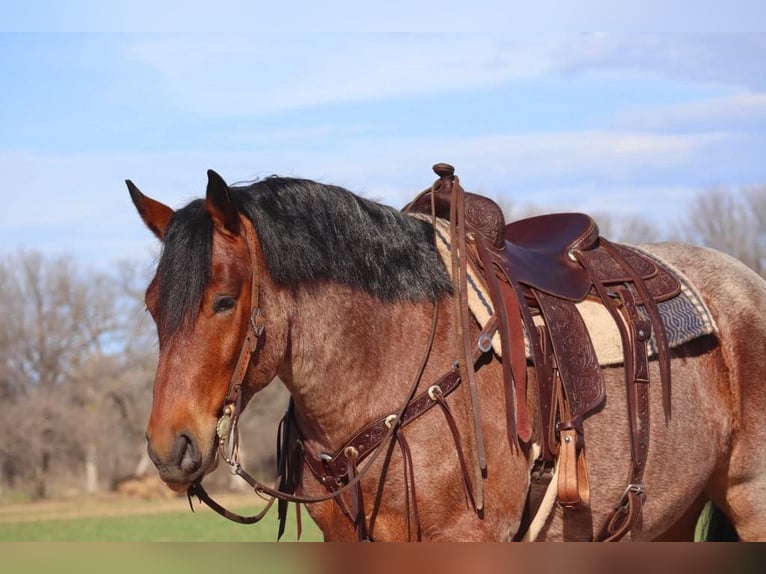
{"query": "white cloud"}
{"type": "Point", "coordinates": [620, 199]}
{"type": "Point", "coordinates": [737, 109]}
{"type": "Point", "coordinates": [81, 185]}
{"type": "Point", "coordinates": [78, 201]}
{"type": "Point", "coordinates": [542, 157]}
{"type": "Point", "coordinates": [264, 74]}
{"type": "Point", "coordinates": [712, 58]}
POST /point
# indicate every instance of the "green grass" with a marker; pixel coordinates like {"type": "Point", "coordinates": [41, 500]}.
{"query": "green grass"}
{"type": "Point", "coordinates": [203, 525]}
{"type": "Point", "coordinates": [142, 521]}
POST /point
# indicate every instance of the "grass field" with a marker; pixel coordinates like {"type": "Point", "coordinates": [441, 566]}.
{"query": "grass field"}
{"type": "Point", "coordinates": [110, 518]}
{"type": "Point", "coordinates": [115, 519]}
{"type": "Point", "coordinates": [118, 535]}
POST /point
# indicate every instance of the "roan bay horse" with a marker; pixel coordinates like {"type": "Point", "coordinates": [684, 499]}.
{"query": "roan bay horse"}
{"type": "Point", "coordinates": [350, 304]}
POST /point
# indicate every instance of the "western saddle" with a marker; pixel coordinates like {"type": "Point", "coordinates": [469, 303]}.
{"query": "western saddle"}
{"type": "Point", "coordinates": [541, 267]}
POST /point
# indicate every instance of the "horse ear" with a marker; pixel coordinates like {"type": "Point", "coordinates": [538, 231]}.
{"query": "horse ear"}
{"type": "Point", "coordinates": [218, 203]}
{"type": "Point", "coordinates": [156, 215]}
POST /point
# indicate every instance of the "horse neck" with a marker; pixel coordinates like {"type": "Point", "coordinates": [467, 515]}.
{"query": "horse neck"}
{"type": "Point", "coordinates": [352, 358]}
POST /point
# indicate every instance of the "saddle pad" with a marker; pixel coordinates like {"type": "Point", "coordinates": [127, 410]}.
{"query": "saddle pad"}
{"type": "Point", "coordinates": [686, 317]}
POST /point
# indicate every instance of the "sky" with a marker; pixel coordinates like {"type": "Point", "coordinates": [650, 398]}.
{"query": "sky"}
{"type": "Point", "coordinates": [630, 123]}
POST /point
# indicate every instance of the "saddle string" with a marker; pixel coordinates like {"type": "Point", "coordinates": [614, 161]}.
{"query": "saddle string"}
{"type": "Point", "coordinates": [381, 484]}
{"type": "Point", "coordinates": [411, 508]}
{"type": "Point", "coordinates": [514, 368]}
{"type": "Point", "coordinates": [357, 499]}
{"type": "Point", "coordinates": [459, 260]}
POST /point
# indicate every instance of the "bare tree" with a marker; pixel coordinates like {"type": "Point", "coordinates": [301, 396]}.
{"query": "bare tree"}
{"type": "Point", "coordinates": [756, 201]}
{"type": "Point", "coordinates": [733, 221]}
{"type": "Point", "coordinates": [627, 228]}
{"type": "Point", "coordinates": [67, 391]}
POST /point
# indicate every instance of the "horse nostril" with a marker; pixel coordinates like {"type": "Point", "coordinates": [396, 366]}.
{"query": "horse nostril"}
{"type": "Point", "coordinates": [189, 456]}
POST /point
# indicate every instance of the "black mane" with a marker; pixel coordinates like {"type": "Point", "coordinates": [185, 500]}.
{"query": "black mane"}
{"type": "Point", "coordinates": [308, 231]}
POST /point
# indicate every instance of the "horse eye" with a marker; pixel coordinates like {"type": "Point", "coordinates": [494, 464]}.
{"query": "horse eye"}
{"type": "Point", "coordinates": [223, 304]}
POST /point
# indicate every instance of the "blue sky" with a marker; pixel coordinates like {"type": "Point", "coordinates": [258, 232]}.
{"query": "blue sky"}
{"type": "Point", "coordinates": [622, 122]}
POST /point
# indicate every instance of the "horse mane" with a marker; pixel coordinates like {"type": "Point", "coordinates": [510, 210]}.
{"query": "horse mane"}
{"type": "Point", "coordinates": [308, 232]}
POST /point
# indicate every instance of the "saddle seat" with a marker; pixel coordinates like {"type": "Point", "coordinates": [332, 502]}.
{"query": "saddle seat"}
{"type": "Point", "coordinates": [538, 251]}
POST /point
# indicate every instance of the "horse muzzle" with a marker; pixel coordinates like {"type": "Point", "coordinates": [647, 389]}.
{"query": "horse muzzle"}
{"type": "Point", "coordinates": [183, 463]}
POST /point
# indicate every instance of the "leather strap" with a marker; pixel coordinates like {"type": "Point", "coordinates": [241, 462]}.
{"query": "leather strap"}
{"type": "Point", "coordinates": [227, 424]}
{"type": "Point", "coordinates": [514, 296]}
{"type": "Point", "coordinates": [459, 260]}
{"type": "Point", "coordinates": [546, 373]}
{"type": "Point", "coordinates": [508, 310]}
{"type": "Point", "coordinates": [660, 337]}
{"type": "Point", "coordinates": [627, 511]}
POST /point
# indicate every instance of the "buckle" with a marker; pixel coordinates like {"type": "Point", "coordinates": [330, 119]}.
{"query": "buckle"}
{"type": "Point", "coordinates": [632, 488]}
{"type": "Point", "coordinates": [257, 322]}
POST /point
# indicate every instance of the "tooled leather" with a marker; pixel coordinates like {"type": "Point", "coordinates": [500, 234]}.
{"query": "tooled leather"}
{"type": "Point", "coordinates": [575, 356]}
{"type": "Point", "coordinates": [659, 281]}
{"type": "Point", "coordinates": [486, 217]}
{"type": "Point", "coordinates": [482, 214]}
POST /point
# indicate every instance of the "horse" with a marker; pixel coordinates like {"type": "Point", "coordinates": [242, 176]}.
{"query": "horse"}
{"type": "Point", "coordinates": [349, 304]}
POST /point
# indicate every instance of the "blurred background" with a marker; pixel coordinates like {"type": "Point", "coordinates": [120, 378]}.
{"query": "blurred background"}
{"type": "Point", "coordinates": [659, 136]}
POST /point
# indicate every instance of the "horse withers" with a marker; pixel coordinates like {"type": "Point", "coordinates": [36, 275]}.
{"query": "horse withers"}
{"type": "Point", "coordinates": [349, 303]}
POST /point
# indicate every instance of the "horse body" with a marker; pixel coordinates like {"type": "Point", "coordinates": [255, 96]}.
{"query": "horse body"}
{"type": "Point", "coordinates": [348, 356]}
{"type": "Point", "coordinates": [700, 452]}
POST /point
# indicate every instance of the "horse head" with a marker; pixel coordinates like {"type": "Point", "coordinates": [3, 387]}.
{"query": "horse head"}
{"type": "Point", "coordinates": [203, 299]}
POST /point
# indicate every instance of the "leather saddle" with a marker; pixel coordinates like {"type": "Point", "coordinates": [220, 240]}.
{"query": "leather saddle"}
{"type": "Point", "coordinates": [540, 250]}
{"type": "Point", "coordinates": [541, 266]}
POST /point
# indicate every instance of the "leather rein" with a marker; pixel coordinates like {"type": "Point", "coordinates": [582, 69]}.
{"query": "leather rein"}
{"type": "Point", "coordinates": [338, 472]}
